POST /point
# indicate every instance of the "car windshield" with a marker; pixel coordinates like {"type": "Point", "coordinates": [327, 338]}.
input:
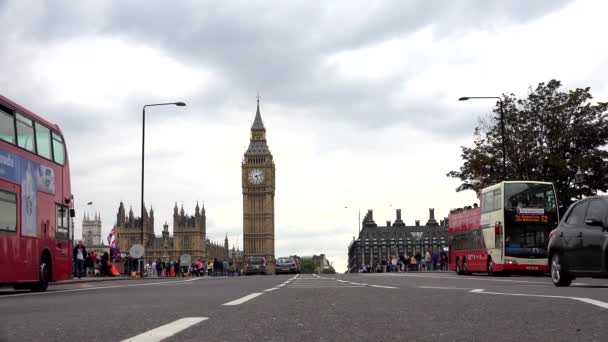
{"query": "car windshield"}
{"type": "Point", "coordinates": [284, 260]}
{"type": "Point", "coordinates": [256, 260]}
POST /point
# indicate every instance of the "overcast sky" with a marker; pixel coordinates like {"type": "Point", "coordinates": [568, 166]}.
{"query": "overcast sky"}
{"type": "Point", "coordinates": [359, 99]}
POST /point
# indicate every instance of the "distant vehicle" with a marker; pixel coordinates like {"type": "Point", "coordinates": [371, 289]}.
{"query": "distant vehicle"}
{"type": "Point", "coordinates": [255, 265]}
{"type": "Point", "coordinates": [286, 265]}
{"type": "Point", "coordinates": [579, 245]}
{"type": "Point", "coordinates": [36, 203]}
{"type": "Point", "coordinates": [508, 232]}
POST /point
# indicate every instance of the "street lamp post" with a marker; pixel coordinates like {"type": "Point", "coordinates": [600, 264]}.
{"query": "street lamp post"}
{"type": "Point", "coordinates": [579, 178]}
{"type": "Point", "coordinates": [502, 128]}
{"type": "Point", "coordinates": [143, 136]}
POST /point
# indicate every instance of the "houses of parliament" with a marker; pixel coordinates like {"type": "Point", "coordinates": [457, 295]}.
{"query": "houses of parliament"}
{"type": "Point", "coordinates": [189, 236]}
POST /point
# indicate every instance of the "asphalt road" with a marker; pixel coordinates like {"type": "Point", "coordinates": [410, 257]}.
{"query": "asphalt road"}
{"type": "Point", "coordinates": [371, 307]}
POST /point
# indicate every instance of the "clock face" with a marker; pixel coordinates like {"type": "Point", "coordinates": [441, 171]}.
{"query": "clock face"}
{"type": "Point", "coordinates": [256, 176]}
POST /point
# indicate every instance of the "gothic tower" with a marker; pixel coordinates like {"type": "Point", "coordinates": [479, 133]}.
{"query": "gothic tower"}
{"type": "Point", "coordinates": [258, 179]}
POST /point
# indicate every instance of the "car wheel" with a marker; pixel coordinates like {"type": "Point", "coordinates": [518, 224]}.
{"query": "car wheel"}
{"type": "Point", "coordinates": [559, 275]}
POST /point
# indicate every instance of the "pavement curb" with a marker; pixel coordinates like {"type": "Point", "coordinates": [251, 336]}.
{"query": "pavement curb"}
{"type": "Point", "coordinates": [106, 279]}
{"type": "Point", "coordinates": [82, 281]}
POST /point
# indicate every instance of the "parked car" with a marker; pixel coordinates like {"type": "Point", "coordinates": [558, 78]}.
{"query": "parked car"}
{"type": "Point", "coordinates": [578, 247]}
{"type": "Point", "coordinates": [255, 265]}
{"type": "Point", "coordinates": [287, 265]}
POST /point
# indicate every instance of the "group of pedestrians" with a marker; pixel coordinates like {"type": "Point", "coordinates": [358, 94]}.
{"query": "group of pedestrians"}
{"type": "Point", "coordinates": [160, 268]}
{"type": "Point", "coordinates": [214, 268]}
{"type": "Point", "coordinates": [88, 264]}
{"type": "Point", "coordinates": [430, 261]}
{"type": "Point", "coordinates": [163, 269]}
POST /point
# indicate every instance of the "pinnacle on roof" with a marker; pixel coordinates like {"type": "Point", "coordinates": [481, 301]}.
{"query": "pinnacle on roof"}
{"type": "Point", "coordinates": [258, 124]}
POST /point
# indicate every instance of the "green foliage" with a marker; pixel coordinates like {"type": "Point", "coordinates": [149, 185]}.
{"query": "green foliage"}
{"type": "Point", "coordinates": [548, 136]}
{"type": "Point", "coordinates": [307, 266]}
{"type": "Point", "coordinates": [330, 270]}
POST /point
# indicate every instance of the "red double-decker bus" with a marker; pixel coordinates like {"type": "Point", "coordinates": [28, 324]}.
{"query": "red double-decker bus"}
{"type": "Point", "coordinates": [36, 203]}
{"type": "Point", "coordinates": [508, 232]}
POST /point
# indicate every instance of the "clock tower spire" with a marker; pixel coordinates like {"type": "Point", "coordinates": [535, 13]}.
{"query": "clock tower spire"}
{"type": "Point", "coordinates": [258, 185]}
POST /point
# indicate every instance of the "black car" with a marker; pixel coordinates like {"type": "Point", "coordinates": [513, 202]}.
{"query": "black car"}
{"type": "Point", "coordinates": [578, 247]}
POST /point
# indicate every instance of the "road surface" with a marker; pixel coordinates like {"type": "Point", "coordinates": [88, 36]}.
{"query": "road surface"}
{"type": "Point", "coordinates": [367, 307]}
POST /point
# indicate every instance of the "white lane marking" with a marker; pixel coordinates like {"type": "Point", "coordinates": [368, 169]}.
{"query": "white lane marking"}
{"type": "Point", "coordinates": [592, 301]}
{"type": "Point", "coordinates": [326, 287]}
{"type": "Point", "coordinates": [595, 302]}
{"type": "Point", "coordinates": [99, 288]}
{"type": "Point", "coordinates": [244, 299]}
{"type": "Point", "coordinates": [272, 289]}
{"type": "Point", "coordinates": [434, 276]}
{"type": "Point", "coordinates": [281, 285]}
{"type": "Point", "coordinates": [443, 288]}
{"type": "Point", "coordinates": [384, 287]}
{"type": "Point", "coordinates": [166, 331]}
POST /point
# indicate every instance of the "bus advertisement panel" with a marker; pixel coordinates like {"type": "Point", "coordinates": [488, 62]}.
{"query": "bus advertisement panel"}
{"type": "Point", "coordinates": [508, 232]}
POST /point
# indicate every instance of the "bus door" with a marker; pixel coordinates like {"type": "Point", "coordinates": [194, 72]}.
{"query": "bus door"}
{"type": "Point", "coordinates": [11, 260]}
{"type": "Point", "coordinates": [62, 264]}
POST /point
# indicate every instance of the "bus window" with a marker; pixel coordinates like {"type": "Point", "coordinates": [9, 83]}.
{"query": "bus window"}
{"type": "Point", "coordinates": [62, 232]}
{"type": "Point", "coordinates": [43, 141]}
{"type": "Point", "coordinates": [488, 202]}
{"type": "Point", "coordinates": [25, 133]}
{"type": "Point", "coordinates": [58, 149]}
{"type": "Point", "coordinates": [7, 127]}
{"type": "Point", "coordinates": [497, 200]}
{"type": "Point", "coordinates": [8, 211]}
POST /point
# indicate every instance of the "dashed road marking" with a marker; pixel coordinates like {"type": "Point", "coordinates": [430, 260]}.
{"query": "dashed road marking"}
{"type": "Point", "coordinates": [167, 330]}
{"type": "Point", "coordinates": [384, 287]}
{"type": "Point", "coordinates": [243, 299]}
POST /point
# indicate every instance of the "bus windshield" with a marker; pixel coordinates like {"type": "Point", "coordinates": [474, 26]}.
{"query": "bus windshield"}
{"type": "Point", "coordinates": [530, 214]}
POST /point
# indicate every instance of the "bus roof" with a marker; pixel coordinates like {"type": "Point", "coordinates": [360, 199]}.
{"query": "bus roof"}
{"type": "Point", "coordinates": [25, 111]}
{"type": "Point", "coordinates": [497, 185]}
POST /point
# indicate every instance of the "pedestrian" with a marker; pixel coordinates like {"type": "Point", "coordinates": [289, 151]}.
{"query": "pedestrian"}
{"type": "Point", "coordinates": [428, 260]}
{"type": "Point", "coordinates": [105, 259]}
{"type": "Point", "coordinates": [178, 269]}
{"type": "Point", "coordinates": [79, 254]}
{"type": "Point", "coordinates": [159, 268]}
{"type": "Point", "coordinates": [225, 268]}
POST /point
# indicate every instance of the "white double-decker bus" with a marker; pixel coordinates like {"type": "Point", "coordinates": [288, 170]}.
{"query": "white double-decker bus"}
{"type": "Point", "coordinates": [507, 232]}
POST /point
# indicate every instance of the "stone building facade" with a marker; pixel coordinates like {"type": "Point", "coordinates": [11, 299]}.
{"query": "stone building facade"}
{"type": "Point", "coordinates": [375, 243]}
{"type": "Point", "coordinates": [258, 181]}
{"type": "Point", "coordinates": [91, 230]}
{"type": "Point", "coordinates": [189, 236]}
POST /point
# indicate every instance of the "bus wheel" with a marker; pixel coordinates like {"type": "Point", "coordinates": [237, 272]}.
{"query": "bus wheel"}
{"type": "Point", "coordinates": [45, 277]}
{"type": "Point", "coordinates": [559, 276]}
{"type": "Point", "coordinates": [458, 270]}
{"type": "Point", "coordinates": [464, 266]}
{"type": "Point", "coordinates": [490, 268]}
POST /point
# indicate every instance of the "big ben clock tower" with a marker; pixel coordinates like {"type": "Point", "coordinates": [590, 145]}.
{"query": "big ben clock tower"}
{"type": "Point", "coordinates": [258, 179]}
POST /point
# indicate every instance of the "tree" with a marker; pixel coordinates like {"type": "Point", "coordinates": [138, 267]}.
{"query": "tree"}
{"type": "Point", "coordinates": [549, 135]}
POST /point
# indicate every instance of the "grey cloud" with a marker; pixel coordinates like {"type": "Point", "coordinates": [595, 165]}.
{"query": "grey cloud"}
{"type": "Point", "coordinates": [274, 48]}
